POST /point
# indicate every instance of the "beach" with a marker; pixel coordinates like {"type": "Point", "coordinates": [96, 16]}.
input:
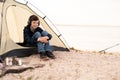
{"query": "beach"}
{"type": "Point", "coordinates": [73, 65]}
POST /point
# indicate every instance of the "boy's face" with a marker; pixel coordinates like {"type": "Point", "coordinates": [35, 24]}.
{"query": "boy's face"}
{"type": "Point", "coordinates": [34, 24]}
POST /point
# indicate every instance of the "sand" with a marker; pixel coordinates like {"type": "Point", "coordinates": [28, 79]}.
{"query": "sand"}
{"type": "Point", "coordinates": [73, 65]}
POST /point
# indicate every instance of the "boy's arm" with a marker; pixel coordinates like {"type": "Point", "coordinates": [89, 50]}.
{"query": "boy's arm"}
{"type": "Point", "coordinates": [44, 33]}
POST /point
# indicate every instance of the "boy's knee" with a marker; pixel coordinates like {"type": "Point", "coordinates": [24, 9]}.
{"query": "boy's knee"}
{"type": "Point", "coordinates": [37, 34]}
{"type": "Point", "coordinates": [45, 33]}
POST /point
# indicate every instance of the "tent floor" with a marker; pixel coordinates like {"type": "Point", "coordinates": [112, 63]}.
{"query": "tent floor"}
{"type": "Point", "coordinates": [27, 51]}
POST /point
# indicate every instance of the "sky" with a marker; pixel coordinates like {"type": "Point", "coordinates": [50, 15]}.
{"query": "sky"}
{"type": "Point", "coordinates": [80, 12]}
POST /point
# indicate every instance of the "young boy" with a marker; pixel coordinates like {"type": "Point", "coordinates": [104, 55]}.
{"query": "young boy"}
{"type": "Point", "coordinates": [34, 35]}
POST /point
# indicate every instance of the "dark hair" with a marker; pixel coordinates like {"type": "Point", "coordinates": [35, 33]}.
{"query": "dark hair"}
{"type": "Point", "coordinates": [33, 18]}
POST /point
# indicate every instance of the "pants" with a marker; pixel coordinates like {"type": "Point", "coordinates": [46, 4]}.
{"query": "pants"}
{"type": "Point", "coordinates": [42, 47]}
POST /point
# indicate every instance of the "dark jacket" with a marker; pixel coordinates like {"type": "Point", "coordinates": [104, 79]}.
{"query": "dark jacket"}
{"type": "Point", "coordinates": [28, 35]}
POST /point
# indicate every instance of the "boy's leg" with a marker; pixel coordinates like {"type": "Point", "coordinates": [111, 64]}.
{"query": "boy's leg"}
{"type": "Point", "coordinates": [40, 45]}
{"type": "Point", "coordinates": [47, 46]}
{"type": "Point", "coordinates": [48, 51]}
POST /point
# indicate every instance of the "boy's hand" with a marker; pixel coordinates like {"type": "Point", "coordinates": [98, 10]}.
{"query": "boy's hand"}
{"type": "Point", "coordinates": [43, 39]}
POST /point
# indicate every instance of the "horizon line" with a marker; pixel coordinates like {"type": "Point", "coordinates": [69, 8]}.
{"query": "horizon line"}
{"type": "Point", "coordinates": [87, 25]}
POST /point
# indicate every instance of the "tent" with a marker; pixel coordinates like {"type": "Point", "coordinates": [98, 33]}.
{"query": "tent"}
{"type": "Point", "coordinates": [13, 18]}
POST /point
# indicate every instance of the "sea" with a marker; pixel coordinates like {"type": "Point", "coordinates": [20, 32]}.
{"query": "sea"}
{"type": "Point", "coordinates": [92, 38]}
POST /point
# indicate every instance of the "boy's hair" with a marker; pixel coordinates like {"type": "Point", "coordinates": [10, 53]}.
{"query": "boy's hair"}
{"type": "Point", "coordinates": [33, 18]}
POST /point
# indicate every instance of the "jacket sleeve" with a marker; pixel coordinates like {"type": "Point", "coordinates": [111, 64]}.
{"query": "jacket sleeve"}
{"type": "Point", "coordinates": [50, 36]}
{"type": "Point", "coordinates": [27, 37]}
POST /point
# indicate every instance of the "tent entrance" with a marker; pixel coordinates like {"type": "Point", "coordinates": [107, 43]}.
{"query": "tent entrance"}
{"type": "Point", "coordinates": [16, 18]}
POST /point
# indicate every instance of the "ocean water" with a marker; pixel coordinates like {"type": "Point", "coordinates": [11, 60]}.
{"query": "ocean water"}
{"type": "Point", "coordinates": [94, 38]}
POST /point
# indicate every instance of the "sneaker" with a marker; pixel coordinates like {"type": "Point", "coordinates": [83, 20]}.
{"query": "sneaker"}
{"type": "Point", "coordinates": [43, 55]}
{"type": "Point", "coordinates": [50, 54]}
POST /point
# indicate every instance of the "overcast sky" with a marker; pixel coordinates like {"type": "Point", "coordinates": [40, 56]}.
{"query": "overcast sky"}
{"type": "Point", "coordinates": [81, 12]}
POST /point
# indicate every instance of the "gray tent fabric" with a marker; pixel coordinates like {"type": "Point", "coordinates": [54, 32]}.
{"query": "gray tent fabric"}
{"type": "Point", "coordinates": [13, 18]}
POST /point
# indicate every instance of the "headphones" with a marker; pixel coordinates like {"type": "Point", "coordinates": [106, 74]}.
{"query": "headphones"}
{"type": "Point", "coordinates": [33, 18]}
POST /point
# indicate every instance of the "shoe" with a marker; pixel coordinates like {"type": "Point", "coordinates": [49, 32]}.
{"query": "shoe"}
{"type": "Point", "coordinates": [50, 54]}
{"type": "Point", "coordinates": [43, 55]}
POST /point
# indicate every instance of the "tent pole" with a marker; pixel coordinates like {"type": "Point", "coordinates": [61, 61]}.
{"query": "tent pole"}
{"type": "Point", "coordinates": [109, 47]}
{"type": "Point", "coordinates": [1, 22]}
